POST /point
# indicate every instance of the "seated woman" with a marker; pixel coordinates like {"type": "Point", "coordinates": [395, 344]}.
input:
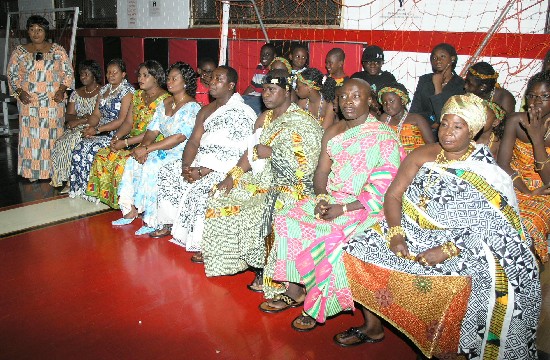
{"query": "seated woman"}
{"type": "Point", "coordinates": [109, 113]}
{"type": "Point", "coordinates": [481, 79]}
{"type": "Point", "coordinates": [359, 158]}
{"type": "Point", "coordinates": [451, 266]}
{"type": "Point", "coordinates": [492, 133]}
{"type": "Point", "coordinates": [108, 165]}
{"type": "Point", "coordinates": [413, 130]}
{"type": "Point", "coordinates": [174, 119]}
{"type": "Point", "coordinates": [525, 155]}
{"type": "Point", "coordinates": [316, 94]}
{"type": "Point", "coordinates": [79, 108]}
{"type": "Point", "coordinates": [433, 90]}
{"type": "Point", "coordinates": [273, 173]}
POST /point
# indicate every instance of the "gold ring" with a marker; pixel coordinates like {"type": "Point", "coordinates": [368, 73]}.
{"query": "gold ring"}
{"type": "Point", "coordinates": [317, 216]}
{"type": "Point", "coordinates": [424, 262]}
{"type": "Point", "coordinates": [399, 254]}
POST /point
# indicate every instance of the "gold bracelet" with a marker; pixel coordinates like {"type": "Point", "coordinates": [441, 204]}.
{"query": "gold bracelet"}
{"type": "Point", "coordinates": [515, 177]}
{"type": "Point", "coordinates": [321, 197]}
{"type": "Point", "coordinates": [395, 230]}
{"type": "Point", "coordinates": [255, 153]}
{"type": "Point", "coordinates": [446, 250]}
{"type": "Point", "coordinates": [236, 173]}
{"type": "Point", "coordinates": [542, 164]}
{"type": "Point", "coordinates": [345, 208]}
{"type": "Point", "coordinates": [126, 142]}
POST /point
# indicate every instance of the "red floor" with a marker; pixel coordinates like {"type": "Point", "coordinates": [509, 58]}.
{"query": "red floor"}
{"type": "Point", "coordinates": [86, 290]}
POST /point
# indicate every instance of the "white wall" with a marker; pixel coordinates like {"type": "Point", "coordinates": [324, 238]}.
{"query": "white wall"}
{"type": "Point", "coordinates": [153, 14]}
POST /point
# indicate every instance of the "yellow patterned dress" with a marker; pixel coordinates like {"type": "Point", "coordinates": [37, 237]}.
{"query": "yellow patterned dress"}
{"type": "Point", "coordinates": [108, 166]}
{"type": "Point", "coordinates": [41, 121]}
{"type": "Point", "coordinates": [534, 209]}
{"type": "Point", "coordinates": [410, 137]}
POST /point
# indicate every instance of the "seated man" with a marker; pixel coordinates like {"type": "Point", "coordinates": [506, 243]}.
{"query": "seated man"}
{"type": "Point", "coordinates": [278, 169]}
{"type": "Point", "coordinates": [217, 142]}
{"type": "Point", "coordinates": [372, 60]}
{"type": "Point", "coordinates": [359, 158]}
{"type": "Point", "coordinates": [451, 266]}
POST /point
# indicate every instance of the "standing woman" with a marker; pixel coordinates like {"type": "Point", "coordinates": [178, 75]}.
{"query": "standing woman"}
{"type": "Point", "coordinates": [316, 94]}
{"type": "Point", "coordinates": [434, 89]}
{"type": "Point", "coordinates": [39, 73]}
{"type": "Point", "coordinates": [110, 111]}
{"type": "Point", "coordinates": [413, 129]}
{"type": "Point", "coordinates": [109, 162]}
{"type": "Point", "coordinates": [80, 107]}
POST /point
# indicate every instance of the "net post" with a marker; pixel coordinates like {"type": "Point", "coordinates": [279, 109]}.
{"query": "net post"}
{"type": "Point", "coordinates": [224, 33]}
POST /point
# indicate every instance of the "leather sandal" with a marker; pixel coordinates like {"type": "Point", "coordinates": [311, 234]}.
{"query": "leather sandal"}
{"type": "Point", "coordinates": [287, 300]}
{"type": "Point", "coordinates": [197, 258]}
{"type": "Point", "coordinates": [162, 232]}
{"type": "Point", "coordinates": [354, 334]}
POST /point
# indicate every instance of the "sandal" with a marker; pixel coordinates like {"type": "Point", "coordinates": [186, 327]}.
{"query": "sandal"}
{"type": "Point", "coordinates": [162, 232]}
{"type": "Point", "coordinates": [304, 323]}
{"type": "Point", "coordinates": [197, 258]}
{"type": "Point", "coordinates": [257, 284]}
{"type": "Point", "coordinates": [343, 338]}
{"type": "Point", "coordinates": [287, 300]}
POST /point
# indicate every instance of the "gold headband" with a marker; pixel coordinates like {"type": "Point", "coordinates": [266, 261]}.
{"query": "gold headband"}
{"type": "Point", "coordinates": [284, 61]}
{"type": "Point", "coordinates": [388, 89]}
{"type": "Point", "coordinates": [483, 76]}
{"type": "Point", "coordinates": [470, 108]}
{"type": "Point", "coordinates": [309, 83]}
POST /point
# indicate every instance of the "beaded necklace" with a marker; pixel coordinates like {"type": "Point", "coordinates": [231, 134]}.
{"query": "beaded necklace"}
{"type": "Point", "coordinates": [401, 121]}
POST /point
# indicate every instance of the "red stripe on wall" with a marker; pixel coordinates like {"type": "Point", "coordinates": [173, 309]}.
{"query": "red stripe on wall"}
{"type": "Point", "coordinates": [182, 50]}
{"type": "Point", "coordinates": [94, 50]}
{"type": "Point", "coordinates": [244, 56]}
{"type": "Point", "coordinates": [132, 54]}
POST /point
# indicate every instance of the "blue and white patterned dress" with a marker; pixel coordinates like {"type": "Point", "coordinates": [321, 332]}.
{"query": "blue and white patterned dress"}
{"type": "Point", "coordinates": [138, 186]}
{"type": "Point", "coordinates": [84, 152]}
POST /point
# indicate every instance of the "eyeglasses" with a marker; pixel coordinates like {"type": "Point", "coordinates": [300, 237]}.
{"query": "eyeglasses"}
{"type": "Point", "coordinates": [38, 56]}
{"type": "Point", "coordinates": [543, 97]}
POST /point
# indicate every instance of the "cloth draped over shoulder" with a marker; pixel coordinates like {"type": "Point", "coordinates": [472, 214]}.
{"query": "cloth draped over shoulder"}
{"type": "Point", "coordinates": [483, 303]}
{"type": "Point", "coordinates": [534, 209]}
{"type": "Point", "coordinates": [233, 239]}
{"type": "Point", "coordinates": [307, 250]}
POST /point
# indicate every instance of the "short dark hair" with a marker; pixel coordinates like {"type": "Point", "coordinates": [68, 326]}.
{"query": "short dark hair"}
{"type": "Point", "coordinates": [118, 62]}
{"type": "Point", "coordinates": [484, 68]}
{"type": "Point", "coordinates": [38, 20]}
{"type": "Point", "coordinates": [155, 70]}
{"type": "Point", "coordinates": [449, 49]}
{"type": "Point", "coordinates": [204, 61]}
{"type": "Point", "coordinates": [270, 46]}
{"type": "Point", "coordinates": [189, 76]}
{"type": "Point", "coordinates": [338, 52]}
{"type": "Point", "coordinates": [299, 46]}
{"type": "Point", "coordinates": [541, 77]}
{"type": "Point", "coordinates": [232, 75]}
{"type": "Point", "coordinates": [93, 67]}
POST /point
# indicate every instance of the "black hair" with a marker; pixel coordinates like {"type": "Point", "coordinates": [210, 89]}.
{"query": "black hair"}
{"type": "Point", "coordinates": [93, 67]}
{"type": "Point", "coordinates": [154, 68]}
{"type": "Point", "coordinates": [38, 20]}
{"type": "Point", "coordinates": [327, 84]}
{"type": "Point", "coordinates": [281, 76]}
{"type": "Point", "coordinates": [338, 52]}
{"type": "Point", "coordinates": [299, 46]}
{"type": "Point", "coordinates": [484, 68]}
{"type": "Point", "coordinates": [541, 77]}
{"type": "Point", "coordinates": [204, 61]}
{"type": "Point", "coordinates": [449, 49]}
{"type": "Point", "coordinates": [189, 76]}
{"type": "Point", "coordinates": [270, 46]}
{"type": "Point", "coordinates": [118, 62]}
{"type": "Point", "coordinates": [232, 75]}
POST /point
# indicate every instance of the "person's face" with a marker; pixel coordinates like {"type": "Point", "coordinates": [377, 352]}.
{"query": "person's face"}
{"type": "Point", "coordinates": [539, 98]}
{"type": "Point", "coordinates": [454, 133]}
{"type": "Point", "coordinates": [392, 104]}
{"type": "Point", "coordinates": [441, 60]}
{"type": "Point", "coordinates": [372, 67]}
{"type": "Point", "coordinates": [354, 99]}
{"type": "Point", "coordinates": [146, 81]}
{"type": "Point", "coordinates": [114, 74]}
{"type": "Point", "coordinates": [298, 58]}
{"type": "Point", "coordinates": [302, 90]}
{"type": "Point", "coordinates": [205, 72]}
{"type": "Point", "coordinates": [174, 81]}
{"type": "Point", "coordinates": [37, 34]}
{"type": "Point", "coordinates": [219, 85]}
{"type": "Point", "coordinates": [86, 77]}
{"type": "Point", "coordinates": [471, 85]}
{"type": "Point", "coordinates": [274, 96]}
{"type": "Point", "coordinates": [333, 64]}
{"type": "Point", "coordinates": [266, 56]}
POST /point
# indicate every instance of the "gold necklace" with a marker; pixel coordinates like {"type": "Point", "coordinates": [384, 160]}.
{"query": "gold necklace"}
{"type": "Point", "coordinates": [491, 140]}
{"type": "Point", "coordinates": [90, 92]}
{"type": "Point", "coordinates": [175, 103]}
{"type": "Point", "coordinates": [440, 159]}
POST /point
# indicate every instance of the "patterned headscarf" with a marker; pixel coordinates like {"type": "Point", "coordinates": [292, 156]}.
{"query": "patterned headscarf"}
{"type": "Point", "coordinates": [309, 83]}
{"type": "Point", "coordinates": [389, 89]}
{"type": "Point", "coordinates": [500, 113]}
{"type": "Point", "coordinates": [284, 61]}
{"type": "Point", "coordinates": [470, 108]}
